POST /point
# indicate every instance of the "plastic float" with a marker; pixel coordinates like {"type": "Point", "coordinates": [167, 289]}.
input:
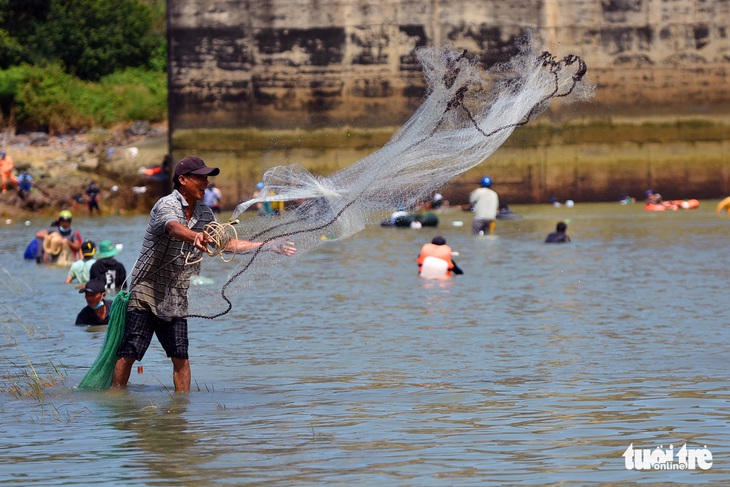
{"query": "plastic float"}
{"type": "Point", "coordinates": [434, 268]}
{"type": "Point", "coordinates": [673, 205]}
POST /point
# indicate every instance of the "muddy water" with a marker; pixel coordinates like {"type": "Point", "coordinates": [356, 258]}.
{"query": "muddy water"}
{"type": "Point", "coordinates": [540, 365]}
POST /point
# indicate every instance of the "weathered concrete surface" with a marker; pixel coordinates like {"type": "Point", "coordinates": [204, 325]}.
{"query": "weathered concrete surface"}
{"type": "Point", "coordinates": [292, 64]}
{"type": "Point", "coordinates": [284, 63]}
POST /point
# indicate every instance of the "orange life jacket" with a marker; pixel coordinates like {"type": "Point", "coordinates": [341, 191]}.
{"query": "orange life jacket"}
{"type": "Point", "coordinates": [442, 252]}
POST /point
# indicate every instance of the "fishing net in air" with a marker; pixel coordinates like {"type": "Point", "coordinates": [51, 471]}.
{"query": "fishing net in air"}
{"type": "Point", "coordinates": [99, 376]}
{"type": "Point", "coordinates": [466, 115]}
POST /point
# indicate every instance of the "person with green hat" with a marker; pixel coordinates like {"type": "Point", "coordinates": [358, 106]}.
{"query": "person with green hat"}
{"type": "Point", "coordinates": [71, 238]}
{"type": "Point", "coordinates": [108, 269]}
{"type": "Point", "coordinates": [80, 269]}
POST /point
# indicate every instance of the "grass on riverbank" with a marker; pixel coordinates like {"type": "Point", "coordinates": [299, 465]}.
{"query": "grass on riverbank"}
{"type": "Point", "coordinates": [47, 98]}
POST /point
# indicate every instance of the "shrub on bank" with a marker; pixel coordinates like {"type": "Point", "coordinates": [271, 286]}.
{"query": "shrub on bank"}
{"type": "Point", "coordinates": [47, 98]}
{"type": "Point", "coordinates": [140, 94]}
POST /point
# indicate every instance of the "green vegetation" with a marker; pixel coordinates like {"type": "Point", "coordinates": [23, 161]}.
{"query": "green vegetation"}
{"type": "Point", "coordinates": [26, 379]}
{"type": "Point", "coordinates": [73, 64]}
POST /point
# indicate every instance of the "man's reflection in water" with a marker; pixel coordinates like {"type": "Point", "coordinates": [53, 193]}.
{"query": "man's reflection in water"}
{"type": "Point", "coordinates": [166, 444]}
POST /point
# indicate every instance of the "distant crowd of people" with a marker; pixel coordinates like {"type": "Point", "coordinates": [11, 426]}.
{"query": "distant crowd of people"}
{"type": "Point", "coordinates": [92, 268]}
{"type": "Point", "coordinates": [436, 258]}
{"type": "Point", "coordinates": [176, 223]}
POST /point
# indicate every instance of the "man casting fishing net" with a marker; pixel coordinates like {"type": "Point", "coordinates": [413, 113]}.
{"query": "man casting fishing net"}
{"type": "Point", "coordinates": [467, 114]}
{"type": "Point", "coordinates": [158, 299]}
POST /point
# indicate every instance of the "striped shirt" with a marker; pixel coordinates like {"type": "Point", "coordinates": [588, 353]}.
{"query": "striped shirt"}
{"type": "Point", "coordinates": [160, 279]}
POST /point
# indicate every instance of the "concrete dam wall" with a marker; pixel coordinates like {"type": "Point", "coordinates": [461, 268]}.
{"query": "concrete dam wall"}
{"type": "Point", "coordinates": [262, 68]}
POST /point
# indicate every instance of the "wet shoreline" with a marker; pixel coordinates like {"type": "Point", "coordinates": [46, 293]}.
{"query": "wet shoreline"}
{"type": "Point", "coordinates": [583, 161]}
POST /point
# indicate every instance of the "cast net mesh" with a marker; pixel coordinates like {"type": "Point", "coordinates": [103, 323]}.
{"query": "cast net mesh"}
{"type": "Point", "coordinates": [467, 114]}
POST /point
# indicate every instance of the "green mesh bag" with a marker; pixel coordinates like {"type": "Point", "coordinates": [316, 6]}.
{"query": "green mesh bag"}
{"type": "Point", "coordinates": [100, 374]}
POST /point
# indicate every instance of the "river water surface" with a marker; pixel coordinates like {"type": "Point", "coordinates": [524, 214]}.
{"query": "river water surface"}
{"type": "Point", "coordinates": [540, 365]}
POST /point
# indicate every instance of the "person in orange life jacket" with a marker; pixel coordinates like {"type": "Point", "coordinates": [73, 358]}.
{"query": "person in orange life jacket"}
{"type": "Point", "coordinates": [438, 248]}
{"type": "Point", "coordinates": [108, 269]}
{"type": "Point", "coordinates": [96, 311]}
{"type": "Point", "coordinates": [6, 170]}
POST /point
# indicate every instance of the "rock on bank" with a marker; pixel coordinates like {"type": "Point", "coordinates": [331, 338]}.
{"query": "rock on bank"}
{"type": "Point", "coordinates": [62, 167]}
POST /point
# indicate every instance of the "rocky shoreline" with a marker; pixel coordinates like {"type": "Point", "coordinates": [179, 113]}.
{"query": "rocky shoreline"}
{"type": "Point", "coordinates": [63, 165]}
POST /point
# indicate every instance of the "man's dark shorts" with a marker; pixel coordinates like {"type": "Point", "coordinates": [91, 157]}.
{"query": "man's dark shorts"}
{"type": "Point", "coordinates": [479, 225]}
{"type": "Point", "coordinates": [138, 330]}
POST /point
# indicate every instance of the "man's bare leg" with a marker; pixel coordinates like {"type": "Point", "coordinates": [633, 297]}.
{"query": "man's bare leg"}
{"type": "Point", "coordinates": [122, 369]}
{"type": "Point", "coordinates": [181, 374]}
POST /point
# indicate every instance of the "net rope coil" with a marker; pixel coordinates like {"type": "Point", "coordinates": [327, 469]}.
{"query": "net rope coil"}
{"type": "Point", "coordinates": [219, 235]}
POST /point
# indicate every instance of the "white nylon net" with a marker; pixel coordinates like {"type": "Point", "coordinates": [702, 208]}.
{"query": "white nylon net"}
{"type": "Point", "coordinates": [467, 114]}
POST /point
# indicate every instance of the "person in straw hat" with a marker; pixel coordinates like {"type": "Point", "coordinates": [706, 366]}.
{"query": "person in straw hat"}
{"type": "Point", "coordinates": [53, 248]}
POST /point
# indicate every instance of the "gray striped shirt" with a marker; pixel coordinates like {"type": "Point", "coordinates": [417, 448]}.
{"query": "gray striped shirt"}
{"type": "Point", "coordinates": [160, 279]}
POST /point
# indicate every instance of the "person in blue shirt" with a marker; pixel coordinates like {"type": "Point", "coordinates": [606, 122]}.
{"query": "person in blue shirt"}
{"type": "Point", "coordinates": [25, 184]}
